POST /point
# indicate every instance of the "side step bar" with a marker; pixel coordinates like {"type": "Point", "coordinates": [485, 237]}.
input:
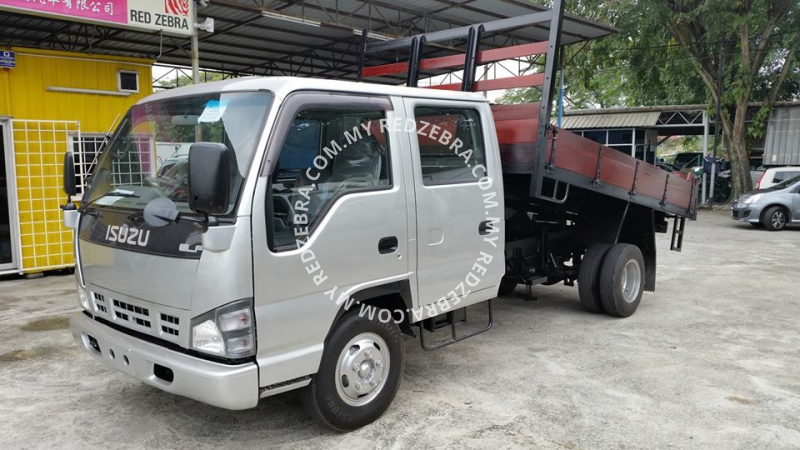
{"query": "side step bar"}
{"type": "Point", "coordinates": [452, 318]}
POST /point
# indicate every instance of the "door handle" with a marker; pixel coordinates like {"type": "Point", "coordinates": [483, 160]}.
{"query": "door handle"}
{"type": "Point", "coordinates": [485, 227]}
{"type": "Point", "coordinates": [387, 245]}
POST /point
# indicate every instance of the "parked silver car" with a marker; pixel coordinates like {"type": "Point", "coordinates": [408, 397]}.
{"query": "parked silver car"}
{"type": "Point", "coordinates": [772, 208]}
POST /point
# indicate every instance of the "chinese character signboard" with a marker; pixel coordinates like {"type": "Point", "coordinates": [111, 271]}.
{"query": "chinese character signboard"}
{"type": "Point", "coordinates": [169, 16]}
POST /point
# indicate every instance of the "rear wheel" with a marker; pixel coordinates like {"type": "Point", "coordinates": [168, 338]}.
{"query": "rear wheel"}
{"type": "Point", "coordinates": [775, 218]}
{"type": "Point", "coordinates": [359, 374]}
{"type": "Point", "coordinates": [589, 278]}
{"type": "Point", "coordinates": [622, 280]}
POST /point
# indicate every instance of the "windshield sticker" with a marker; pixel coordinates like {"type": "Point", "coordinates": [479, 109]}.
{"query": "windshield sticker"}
{"type": "Point", "coordinates": [107, 201]}
{"type": "Point", "coordinates": [213, 111]}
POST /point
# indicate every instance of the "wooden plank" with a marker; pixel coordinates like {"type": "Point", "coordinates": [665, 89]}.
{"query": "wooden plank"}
{"type": "Point", "coordinates": [516, 133]}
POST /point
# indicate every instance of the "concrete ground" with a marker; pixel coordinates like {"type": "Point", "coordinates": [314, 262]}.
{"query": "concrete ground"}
{"type": "Point", "coordinates": [709, 361]}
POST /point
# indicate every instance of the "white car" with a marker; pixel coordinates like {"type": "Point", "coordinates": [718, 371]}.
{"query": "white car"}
{"type": "Point", "coordinates": [775, 175]}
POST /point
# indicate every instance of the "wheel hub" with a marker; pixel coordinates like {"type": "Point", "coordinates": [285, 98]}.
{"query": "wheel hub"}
{"type": "Point", "coordinates": [778, 219]}
{"type": "Point", "coordinates": [631, 281]}
{"type": "Point", "coordinates": [361, 369]}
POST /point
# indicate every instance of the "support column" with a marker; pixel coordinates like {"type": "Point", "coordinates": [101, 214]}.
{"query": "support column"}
{"type": "Point", "coordinates": [706, 128]}
{"type": "Point", "coordinates": [195, 50]}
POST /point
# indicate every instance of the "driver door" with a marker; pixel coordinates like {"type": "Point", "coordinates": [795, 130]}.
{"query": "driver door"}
{"type": "Point", "coordinates": [329, 220]}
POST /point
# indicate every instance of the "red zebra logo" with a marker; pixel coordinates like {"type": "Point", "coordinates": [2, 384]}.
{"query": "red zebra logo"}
{"type": "Point", "coordinates": [177, 7]}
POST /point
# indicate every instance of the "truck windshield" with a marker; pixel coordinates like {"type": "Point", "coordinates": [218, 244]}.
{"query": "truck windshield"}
{"type": "Point", "coordinates": [148, 157]}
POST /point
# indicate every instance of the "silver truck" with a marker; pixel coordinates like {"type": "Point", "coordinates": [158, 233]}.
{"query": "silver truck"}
{"type": "Point", "coordinates": [315, 224]}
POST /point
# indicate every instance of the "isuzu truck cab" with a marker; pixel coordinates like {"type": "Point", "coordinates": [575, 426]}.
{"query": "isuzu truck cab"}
{"type": "Point", "coordinates": [226, 280]}
{"type": "Point", "coordinates": [313, 224]}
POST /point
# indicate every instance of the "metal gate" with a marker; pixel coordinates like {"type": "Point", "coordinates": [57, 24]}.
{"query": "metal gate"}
{"type": "Point", "coordinates": [39, 147]}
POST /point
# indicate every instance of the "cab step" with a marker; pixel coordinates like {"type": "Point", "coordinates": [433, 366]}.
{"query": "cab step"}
{"type": "Point", "coordinates": [450, 319]}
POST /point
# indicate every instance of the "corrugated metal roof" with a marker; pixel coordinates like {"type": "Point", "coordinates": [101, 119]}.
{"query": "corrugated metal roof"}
{"type": "Point", "coordinates": [782, 147]}
{"type": "Point", "coordinates": [613, 120]}
{"type": "Point", "coordinates": [246, 42]}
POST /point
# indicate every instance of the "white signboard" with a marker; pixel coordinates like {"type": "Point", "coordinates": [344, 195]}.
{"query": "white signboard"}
{"type": "Point", "coordinates": [170, 16]}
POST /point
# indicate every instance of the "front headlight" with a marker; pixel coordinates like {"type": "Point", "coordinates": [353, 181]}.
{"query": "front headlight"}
{"type": "Point", "coordinates": [83, 297]}
{"type": "Point", "coordinates": [227, 331]}
{"type": "Point", "coordinates": [753, 198]}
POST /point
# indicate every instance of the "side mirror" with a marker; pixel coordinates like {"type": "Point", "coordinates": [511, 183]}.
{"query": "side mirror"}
{"type": "Point", "coordinates": [209, 178]}
{"type": "Point", "coordinates": [69, 175]}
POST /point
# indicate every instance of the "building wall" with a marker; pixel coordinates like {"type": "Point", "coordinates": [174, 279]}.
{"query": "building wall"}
{"type": "Point", "coordinates": [24, 94]}
{"type": "Point", "coordinates": [45, 123]}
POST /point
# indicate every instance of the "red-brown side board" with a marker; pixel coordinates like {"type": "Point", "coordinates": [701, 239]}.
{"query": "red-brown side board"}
{"type": "Point", "coordinates": [516, 132]}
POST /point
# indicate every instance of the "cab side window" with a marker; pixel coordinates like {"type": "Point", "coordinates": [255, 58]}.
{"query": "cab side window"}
{"type": "Point", "coordinates": [450, 145]}
{"type": "Point", "coordinates": [326, 155]}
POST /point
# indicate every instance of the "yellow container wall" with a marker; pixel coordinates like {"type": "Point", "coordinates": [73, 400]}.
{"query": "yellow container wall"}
{"type": "Point", "coordinates": [24, 94]}
{"type": "Point", "coordinates": [43, 122]}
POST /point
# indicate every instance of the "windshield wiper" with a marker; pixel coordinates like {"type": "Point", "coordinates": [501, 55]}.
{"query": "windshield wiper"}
{"type": "Point", "coordinates": [114, 193]}
{"type": "Point", "coordinates": [106, 139]}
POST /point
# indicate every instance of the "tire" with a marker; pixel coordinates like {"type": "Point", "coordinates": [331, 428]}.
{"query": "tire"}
{"type": "Point", "coordinates": [589, 278]}
{"type": "Point", "coordinates": [506, 288]}
{"type": "Point", "coordinates": [377, 349]}
{"type": "Point", "coordinates": [775, 218]}
{"type": "Point", "coordinates": [622, 280]}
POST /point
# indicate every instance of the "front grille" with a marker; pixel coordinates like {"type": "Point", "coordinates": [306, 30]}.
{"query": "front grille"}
{"type": "Point", "coordinates": [169, 324]}
{"type": "Point", "coordinates": [100, 302]}
{"type": "Point", "coordinates": [132, 313]}
{"type": "Point", "coordinates": [139, 315]}
{"type": "Point", "coordinates": [740, 214]}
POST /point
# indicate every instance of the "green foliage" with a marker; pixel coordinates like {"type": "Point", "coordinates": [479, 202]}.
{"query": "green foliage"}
{"type": "Point", "coordinates": [171, 82]}
{"type": "Point", "coordinates": [641, 65]}
{"type": "Point", "coordinates": [751, 45]}
{"type": "Point", "coordinates": [645, 64]}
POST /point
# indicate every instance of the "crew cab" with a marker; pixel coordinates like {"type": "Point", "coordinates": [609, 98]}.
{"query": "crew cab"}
{"type": "Point", "coordinates": [319, 222]}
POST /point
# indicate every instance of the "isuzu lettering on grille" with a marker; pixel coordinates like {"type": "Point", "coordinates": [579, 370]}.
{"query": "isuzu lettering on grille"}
{"type": "Point", "coordinates": [127, 235]}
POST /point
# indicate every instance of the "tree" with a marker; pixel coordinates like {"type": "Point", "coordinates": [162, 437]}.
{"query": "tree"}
{"type": "Point", "coordinates": [640, 65]}
{"type": "Point", "coordinates": [743, 50]}
{"type": "Point", "coordinates": [171, 82]}
{"type": "Point", "coordinates": [672, 52]}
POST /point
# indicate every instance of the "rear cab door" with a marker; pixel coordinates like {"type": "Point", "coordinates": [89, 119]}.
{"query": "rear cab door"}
{"type": "Point", "coordinates": [458, 193]}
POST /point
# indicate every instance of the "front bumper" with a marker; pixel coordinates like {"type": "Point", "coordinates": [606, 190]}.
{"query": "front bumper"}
{"type": "Point", "coordinates": [744, 212]}
{"type": "Point", "coordinates": [224, 386]}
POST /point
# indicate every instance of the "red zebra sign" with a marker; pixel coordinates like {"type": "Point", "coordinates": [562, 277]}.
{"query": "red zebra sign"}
{"type": "Point", "coordinates": [177, 7]}
{"type": "Point", "coordinates": [174, 17]}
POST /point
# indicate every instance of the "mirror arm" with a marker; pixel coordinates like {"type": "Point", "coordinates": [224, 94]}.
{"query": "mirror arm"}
{"type": "Point", "coordinates": [202, 224]}
{"type": "Point", "coordinates": [69, 206]}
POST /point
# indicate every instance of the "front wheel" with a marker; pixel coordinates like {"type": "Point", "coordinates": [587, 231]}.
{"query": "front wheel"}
{"type": "Point", "coordinates": [775, 219]}
{"type": "Point", "coordinates": [359, 373]}
{"type": "Point", "coordinates": [622, 280]}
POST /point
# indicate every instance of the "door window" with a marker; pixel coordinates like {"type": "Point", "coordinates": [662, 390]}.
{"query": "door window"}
{"type": "Point", "coordinates": [325, 155]}
{"type": "Point", "coordinates": [450, 145]}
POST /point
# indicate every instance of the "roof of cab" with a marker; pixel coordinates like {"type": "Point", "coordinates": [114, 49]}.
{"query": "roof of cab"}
{"type": "Point", "coordinates": [282, 86]}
